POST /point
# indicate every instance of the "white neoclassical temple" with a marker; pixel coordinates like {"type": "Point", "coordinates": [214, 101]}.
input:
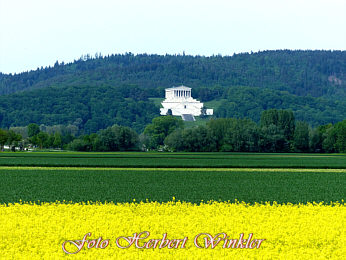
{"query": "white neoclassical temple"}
{"type": "Point", "coordinates": [181, 103]}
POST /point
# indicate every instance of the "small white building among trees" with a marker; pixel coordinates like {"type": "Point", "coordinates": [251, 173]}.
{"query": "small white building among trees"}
{"type": "Point", "coordinates": [179, 102]}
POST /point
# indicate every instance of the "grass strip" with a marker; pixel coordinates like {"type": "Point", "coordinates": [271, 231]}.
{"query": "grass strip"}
{"type": "Point", "coordinates": [33, 168]}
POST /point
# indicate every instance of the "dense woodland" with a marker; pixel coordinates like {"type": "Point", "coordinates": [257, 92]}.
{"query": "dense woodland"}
{"type": "Point", "coordinates": [94, 93]}
{"type": "Point", "coordinates": [89, 109]}
{"type": "Point", "coordinates": [315, 73]}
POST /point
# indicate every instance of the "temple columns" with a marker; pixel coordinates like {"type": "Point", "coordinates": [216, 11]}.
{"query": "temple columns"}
{"type": "Point", "coordinates": [182, 93]}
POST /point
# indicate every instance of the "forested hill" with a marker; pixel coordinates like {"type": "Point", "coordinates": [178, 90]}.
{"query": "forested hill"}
{"type": "Point", "coordinates": [94, 93]}
{"type": "Point", "coordinates": [314, 73]}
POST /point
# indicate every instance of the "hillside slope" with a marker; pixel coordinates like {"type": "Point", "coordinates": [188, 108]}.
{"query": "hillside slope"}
{"type": "Point", "coordinates": [94, 93]}
{"type": "Point", "coordinates": [89, 109]}
{"type": "Point", "coordinates": [315, 73]}
{"type": "Point", "coordinates": [94, 108]}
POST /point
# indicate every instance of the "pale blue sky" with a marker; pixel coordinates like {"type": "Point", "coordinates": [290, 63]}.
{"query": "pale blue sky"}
{"type": "Point", "coordinates": [36, 33]}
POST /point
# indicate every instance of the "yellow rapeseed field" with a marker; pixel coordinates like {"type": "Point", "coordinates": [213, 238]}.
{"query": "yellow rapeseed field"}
{"type": "Point", "coordinates": [309, 231]}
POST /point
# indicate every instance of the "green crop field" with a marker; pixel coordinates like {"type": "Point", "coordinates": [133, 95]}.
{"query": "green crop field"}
{"type": "Point", "coordinates": [161, 185]}
{"type": "Point", "coordinates": [122, 177]}
{"type": "Point", "coordinates": [168, 160]}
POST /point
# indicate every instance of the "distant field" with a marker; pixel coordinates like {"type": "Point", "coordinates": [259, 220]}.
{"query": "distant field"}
{"type": "Point", "coordinates": [124, 185]}
{"type": "Point", "coordinates": [193, 177]}
{"type": "Point", "coordinates": [175, 160]}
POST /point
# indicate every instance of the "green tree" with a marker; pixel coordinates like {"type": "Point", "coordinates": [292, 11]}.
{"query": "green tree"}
{"type": "Point", "coordinates": [335, 138]}
{"type": "Point", "coordinates": [3, 138]}
{"type": "Point", "coordinates": [160, 128]}
{"type": "Point", "coordinates": [272, 139]}
{"type": "Point", "coordinates": [315, 139]}
{"type": "Point", "coordinates": [218, 129]}
{"type": "Point", "coordinates": [84, 143]}
{"type": "Point", "coordinates": [269, 117]}
{"type": "Point", "coordinates": [33, 129]}
{"type": "Point", "coordinates": [341, 136]}
{"type": "Point", "coordinates": [329, 140]}
{"type": "Point", "coordinates": [197, 139]}
{"type": "Point", "coordinates": [77, 145]}
{"type": "Point", "coordinates": [301, 137]}
{"type": "Point", "coordinates": [57, 143]}
{"type": "Point", "coordinates": [42, 139]}
{"type": "Point", "coordinates": [116, 138]}
{"type": "Point", "coordinates": [49, 142]}
{"type": "Point", "coordinates": [174, 141]}
{"type": "Point", "coordinates": [242, 136]}
{"type": "Point", "coordinates": [317, 136]}
{"type": "Point", "coordinates": [13, 139]}
{"type": "Point", "coordinates": [284, 121]}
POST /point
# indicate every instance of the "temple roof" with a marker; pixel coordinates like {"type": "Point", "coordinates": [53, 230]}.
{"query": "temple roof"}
{"type": "Point", "coordinates": [179, 88]}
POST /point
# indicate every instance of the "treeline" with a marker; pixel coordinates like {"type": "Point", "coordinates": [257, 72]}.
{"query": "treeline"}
{"type": "Point", "coordinates": [10, 138]}
{"type": "Point", "coordinates": [114, 138]}
{"type": "Point", "coordinates": [24, 138]}
{"type": "Point", "coordinates": [315, 73]}
{"type": "Point", "coordinates": [277, 131]}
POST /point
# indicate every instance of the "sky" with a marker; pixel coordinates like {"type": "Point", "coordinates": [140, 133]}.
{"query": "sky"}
{"type": "Point", "coordinates": [37, 33]}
